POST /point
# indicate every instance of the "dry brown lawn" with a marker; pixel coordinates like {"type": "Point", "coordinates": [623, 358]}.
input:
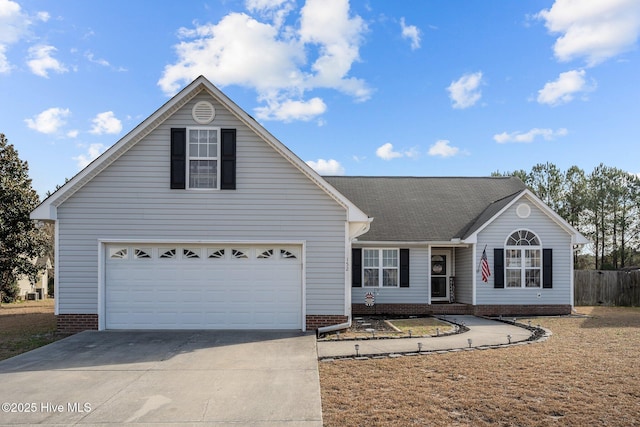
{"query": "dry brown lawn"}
{"type": "Point", "coordinates": [26, 325]}
{"type": "Point", "coordinates": [586, 374]}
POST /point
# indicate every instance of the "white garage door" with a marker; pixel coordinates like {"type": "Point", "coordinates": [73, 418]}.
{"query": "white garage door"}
{"type": "Point", "coordinates": [203, 287]}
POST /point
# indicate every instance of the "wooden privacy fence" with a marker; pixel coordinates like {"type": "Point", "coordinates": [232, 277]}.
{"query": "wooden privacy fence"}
{"type": "Point", "coordinates": [598, 287]}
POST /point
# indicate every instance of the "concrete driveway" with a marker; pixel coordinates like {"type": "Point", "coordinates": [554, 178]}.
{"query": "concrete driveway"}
{"type": "Point", "coordinates": [165, 378]}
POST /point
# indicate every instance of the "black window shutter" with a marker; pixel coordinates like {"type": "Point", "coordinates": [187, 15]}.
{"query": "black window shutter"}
{"type": "Point", "coordinates": [498, 268]}
{"type": "Point", "coordinates": [356, 268]}
{"type": "Point", "coordinates": [228, 160]}
{"type": "Point", "coordinates": [404, 268]}
{"type": "Point", "coordinates": [178, 158]}
{"type": "Point", "coordinates": [547, 268]}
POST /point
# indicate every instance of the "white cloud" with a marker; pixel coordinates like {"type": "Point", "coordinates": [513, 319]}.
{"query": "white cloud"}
{"type": "Point", "coordinates": [93, 152]}
{"type": "Point", "coordinates": [327, 167]}
{"type": "Point", "coordinates": [13, 26]}
{"type": "Point", "coordinates": [530, 136]}
{"type": "Point", "coordinates": [593, 30]}
{"type": "Point", "coordinates": [106, 123]}
{"type": "Point", "coordinates": [41, 61]}
{"type": "Point", "coordinates": [412, 33]}
{"type": "Point", "coordinates": [564, 88]}
{"type": "Point", "coordinates": [290, 110]}
{"type": "Point", "coordinates": [43, 16]}
{"type": "Point", "coordinates": [465, 91]}
{"type": "Point", "coordinates": [443, 148]}
{"type": "Point", "coordinates": [5, 66]}
{"type": "Point", "coordinates": [73, 133]}
{"type": "Point", "coordinates": [385, 152]}
{"type": "Point", "coordinates": [49, 121]}
{"type": "Point", "coordinates": [13, 23]}
{"type": "Point", "coordinates": [275, 10]}
{"type": "Point", "coordinates": [281, 63]}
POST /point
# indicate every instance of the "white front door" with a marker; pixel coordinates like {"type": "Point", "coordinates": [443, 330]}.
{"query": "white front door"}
{"type": "Point", "coordinates": [440, 274]}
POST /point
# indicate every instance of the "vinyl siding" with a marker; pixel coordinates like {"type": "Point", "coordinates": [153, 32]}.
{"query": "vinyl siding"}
{"type": "Point", "coordinates": [464, 275]}
{"type": "Point", "coordinates": [131, 199]}
{"type": "Point", "coordinates": [417, 292]}
{"type": "Point", "coordinates": [551, 236]}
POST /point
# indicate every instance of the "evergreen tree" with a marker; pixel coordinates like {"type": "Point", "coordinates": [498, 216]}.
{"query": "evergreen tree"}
{"type": "Point", "coordinates": [21, 241]}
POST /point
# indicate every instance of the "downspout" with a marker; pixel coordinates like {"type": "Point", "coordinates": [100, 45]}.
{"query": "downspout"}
{"type": "Point", "coordinates": [325, 329]}
{"type": "Point", "coordinates": [353, 229]}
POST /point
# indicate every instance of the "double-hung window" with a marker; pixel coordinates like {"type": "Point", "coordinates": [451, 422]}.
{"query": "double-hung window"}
{"type": "Point", "coordinates": [523, 260]}
{"type": "Point", "coordinates": [203, 154]}
{"type": "Point", "coordinates": [380, 267]}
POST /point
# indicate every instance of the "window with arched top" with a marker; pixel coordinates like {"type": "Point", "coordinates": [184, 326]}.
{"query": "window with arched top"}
{"type": "Point", "coordinates": [523, 260]}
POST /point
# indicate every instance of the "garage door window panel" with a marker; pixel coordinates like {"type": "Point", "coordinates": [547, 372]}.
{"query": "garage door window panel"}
{"type": "Point", "coordinates": [118, 253]}
{"type": "Point", "coordinates": [168, 253]}
{"type": "Point", "coordinates": [193, 253]}
{"type": "Point", "coordinates": [142, 253]}
{"type": "Point", "coordinates": [216, 253]}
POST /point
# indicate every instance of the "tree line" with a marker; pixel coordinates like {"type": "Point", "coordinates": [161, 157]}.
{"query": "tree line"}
{"type": "Point", "coordinates": [604, 205]}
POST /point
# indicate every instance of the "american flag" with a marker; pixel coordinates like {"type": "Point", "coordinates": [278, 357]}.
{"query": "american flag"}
{"type": "Point", "coordinates": [484, 266]}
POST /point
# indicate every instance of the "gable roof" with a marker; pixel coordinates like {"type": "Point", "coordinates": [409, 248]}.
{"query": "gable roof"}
{"type": "Point", "coordinates": [47, 210]}
{"type": "Point", "coordinates": [438, 209]}
{"type": "Point", "coordinates": [435, 209]}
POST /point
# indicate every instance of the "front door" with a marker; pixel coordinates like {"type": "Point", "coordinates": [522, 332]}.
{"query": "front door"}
{"type": "Point", "coordinates": [440, 273]}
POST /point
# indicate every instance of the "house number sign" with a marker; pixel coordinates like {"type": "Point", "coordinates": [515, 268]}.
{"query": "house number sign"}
{"type": "Point", "coordinates": [369, 299]}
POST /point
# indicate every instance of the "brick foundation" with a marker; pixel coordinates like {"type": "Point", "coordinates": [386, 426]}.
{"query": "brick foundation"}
{"type": "Point", "coordinates": [478, 310]}
{"type": "Point", "coordinates": [521, 310]}
{"type": "Point", "coordinates": [72, 323]}
{"type": "Point", "coordinates": [315, 321]}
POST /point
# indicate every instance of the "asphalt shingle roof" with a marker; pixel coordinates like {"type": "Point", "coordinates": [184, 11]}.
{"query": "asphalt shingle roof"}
{"type": "Point", "coordinates": [426, 208]}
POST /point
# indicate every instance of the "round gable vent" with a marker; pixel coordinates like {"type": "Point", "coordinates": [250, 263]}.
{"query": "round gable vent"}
{"type": "Point", "coordinates": [203, 112]}
{"type": "Point", "coordinates": [523, 210]}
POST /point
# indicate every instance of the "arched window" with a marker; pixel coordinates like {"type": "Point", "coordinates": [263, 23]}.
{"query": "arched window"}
{"type": "Point", "coordinates": [523, 260]}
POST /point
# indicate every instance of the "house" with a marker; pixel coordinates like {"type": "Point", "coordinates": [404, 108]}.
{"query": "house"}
{"type": "Point", "coordinates": [39, 289]}
{"type": "Point", "coordinates": [200, 218]}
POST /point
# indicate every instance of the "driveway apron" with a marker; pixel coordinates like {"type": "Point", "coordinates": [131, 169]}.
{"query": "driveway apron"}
{"type": "Point", "coordinates": [165, 378]}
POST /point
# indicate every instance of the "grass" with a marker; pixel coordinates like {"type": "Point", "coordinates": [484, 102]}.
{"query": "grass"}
{"type": "Point", "coordinates": [422, 326]}
{"type": "Point", "coordinates": [586, 374]}
{"type": "Point", "coordinates": [25, 326]}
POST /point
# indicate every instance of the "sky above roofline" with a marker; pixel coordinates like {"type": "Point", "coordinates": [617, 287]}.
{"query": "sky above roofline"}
{"type": "Point", "coordinates": [357, 88]}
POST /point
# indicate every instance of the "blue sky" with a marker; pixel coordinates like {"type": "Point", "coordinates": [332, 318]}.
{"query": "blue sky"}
{"type": "Point", "coordinates": [370, 87]}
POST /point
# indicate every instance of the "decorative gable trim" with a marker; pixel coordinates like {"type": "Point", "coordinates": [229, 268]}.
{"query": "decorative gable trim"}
{"type": "Point", "coordinates": [576, 237]}
{"type": "Point", "coordinates": [47, 209]}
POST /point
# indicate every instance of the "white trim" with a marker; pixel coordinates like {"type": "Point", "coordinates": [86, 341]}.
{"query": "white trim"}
{"type": "Point", "coordinates": [474, 280]}
{"type": "Point", "coordinates": [188, 157]}
{"type": "Point", "coordinates": [102, 267]}
{"type": "Point", "coordinates": [410, 244]}
{"type": "Point", "coordinates": [523, 229]}
{"type": "Point", "coordinates": [56, 269]}
{"type": "Point", "coordinates": [576, 237]}
{"type": "Point", "coordinates": [381, 268]}
{"type": "Point", "coordinates": [46, 210]}
{"type": "Point", "coordinates": [571, 278]}
{"type": "Point", "coordinates": [347, 270]}
{"type": "Point", "coordinates": [429, 275]}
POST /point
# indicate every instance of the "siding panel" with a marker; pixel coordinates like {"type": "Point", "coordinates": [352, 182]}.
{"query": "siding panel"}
{"type": "Point", "coordinates": [551, 236]}
{"type": "Point", "coordinates": [417, 292]}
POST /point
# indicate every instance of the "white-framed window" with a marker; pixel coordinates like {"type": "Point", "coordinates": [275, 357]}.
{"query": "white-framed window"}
{"type": "Point", "coordinates": [203, 152]}
{"type": "Point", "coordinates": [523, 260]}
{"type": "Point", "coordinates": [380, 268]}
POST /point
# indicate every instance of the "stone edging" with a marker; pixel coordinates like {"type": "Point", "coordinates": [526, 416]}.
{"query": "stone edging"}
{"type": "Point", "coordinates": [460, 328]}
{"type": "Point", "coordinates": [539, 334]}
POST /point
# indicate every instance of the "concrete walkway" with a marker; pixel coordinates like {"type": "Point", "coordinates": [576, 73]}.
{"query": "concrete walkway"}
{"type": "Point", "coordinates": [482, 333]}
